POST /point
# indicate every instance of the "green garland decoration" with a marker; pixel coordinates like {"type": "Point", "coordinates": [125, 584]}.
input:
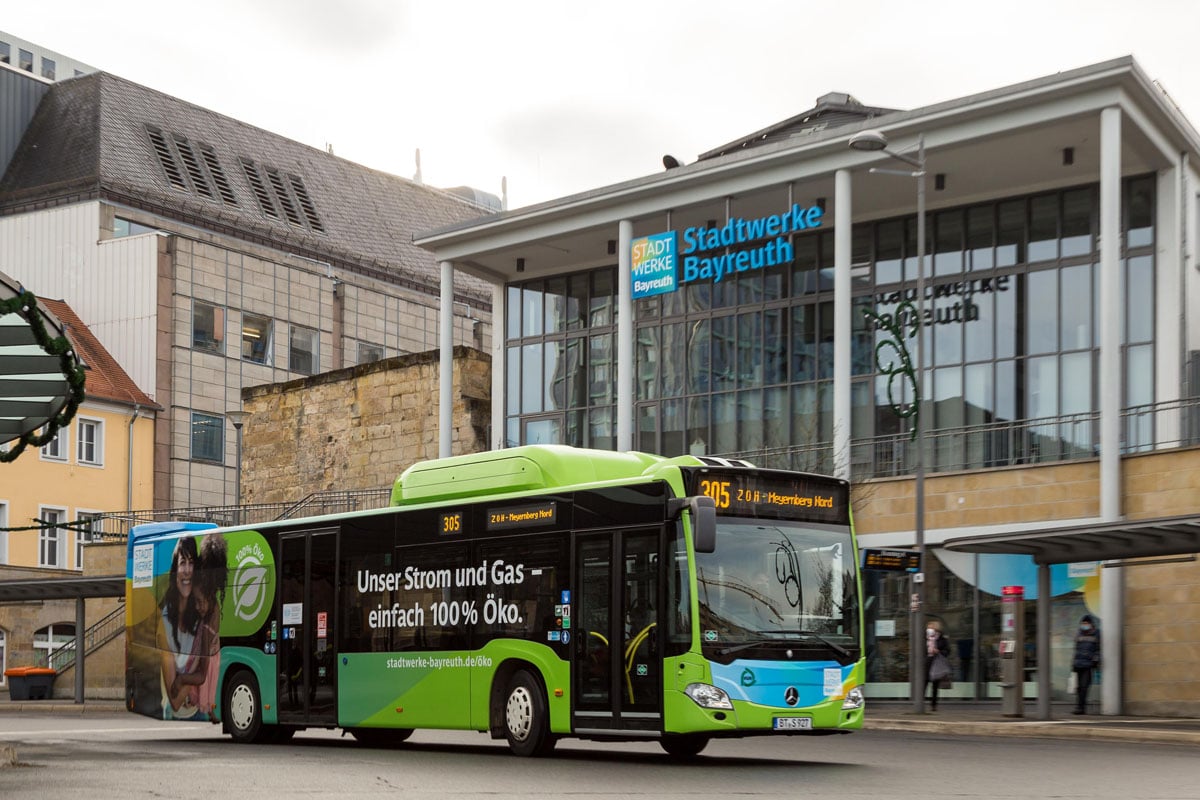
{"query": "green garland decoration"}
{"type": "Point", "coordinates": [26, 305]}
{"type": "Point", "coordinates": [899, 365]}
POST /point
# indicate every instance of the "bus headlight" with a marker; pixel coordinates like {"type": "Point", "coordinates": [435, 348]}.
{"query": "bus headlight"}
{"type": "Point", "coordinates": [707, 696]}
{"type": "Point", "coordinates": [854, 699]}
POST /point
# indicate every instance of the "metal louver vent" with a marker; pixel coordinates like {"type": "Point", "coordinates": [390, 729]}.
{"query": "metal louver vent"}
{"type": "Point", "coordinates": [166, 157]}
{"type": "Point", "coordinates": [306, 203]}
{"type": "Point", "coordinates": [194, 170]}
{"type": "Point", "coordinates": [260, 189]}
{"type": "Point", "coordinates": [284, 197]}
{"type": "Point", "coordinates": [218, 175]}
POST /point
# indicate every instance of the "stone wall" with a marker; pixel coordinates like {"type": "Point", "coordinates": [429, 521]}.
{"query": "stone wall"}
{"type": "Point", "coordinates": [1162, 600]}
{"type": "Point", "coordinates": [988, 497]}
{"type": "Point", "coordinates": [359, 427]}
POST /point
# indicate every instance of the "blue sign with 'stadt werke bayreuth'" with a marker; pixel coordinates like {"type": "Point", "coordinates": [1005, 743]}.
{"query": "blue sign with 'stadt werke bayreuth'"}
{"type": "Point", "coordinates": [653, 264]}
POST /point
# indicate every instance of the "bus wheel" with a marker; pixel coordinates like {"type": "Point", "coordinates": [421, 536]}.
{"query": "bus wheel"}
{"type": "Point", "coordinates": [526, 720]}
{"type": "Point", "coordinates": [683, 745]}
{"type": "Point", "coordinates": [243, 709]}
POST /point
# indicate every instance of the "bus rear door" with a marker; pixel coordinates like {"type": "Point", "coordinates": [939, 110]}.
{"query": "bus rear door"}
{"type": "Point", "coordinates": [307, 614]}
{"type": "Point", "coordinates": [617, 665]}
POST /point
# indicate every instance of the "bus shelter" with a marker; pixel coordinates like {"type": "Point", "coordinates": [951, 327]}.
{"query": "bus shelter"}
{"type": "Point", "coordinates": [1115, 545]}
{"type": "Point", "coordinates": [77, 589]}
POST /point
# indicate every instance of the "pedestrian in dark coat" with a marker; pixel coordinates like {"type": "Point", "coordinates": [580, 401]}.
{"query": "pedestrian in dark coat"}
{"type": "Point", "coordinates": [1086, 661]}
{"type": "Point", "coordinates": [937, 661]}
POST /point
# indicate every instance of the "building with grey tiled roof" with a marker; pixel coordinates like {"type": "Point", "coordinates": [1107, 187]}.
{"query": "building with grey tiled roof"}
{"type": "Point", "coordinates": [209, 255]}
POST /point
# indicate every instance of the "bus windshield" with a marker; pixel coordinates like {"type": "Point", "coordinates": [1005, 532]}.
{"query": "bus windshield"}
{"type": "Point", "coordinates": [777, 589]}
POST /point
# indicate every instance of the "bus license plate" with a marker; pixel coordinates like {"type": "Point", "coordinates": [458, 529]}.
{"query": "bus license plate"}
{"type": "Point", "coordinates": [793, 723]}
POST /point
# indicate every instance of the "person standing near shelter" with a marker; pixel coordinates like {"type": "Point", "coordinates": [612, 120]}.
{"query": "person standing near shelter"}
{"type": "Point", "coordinates": [1087, 660]}
{"type": "Point", "coordinates": [937, 661]}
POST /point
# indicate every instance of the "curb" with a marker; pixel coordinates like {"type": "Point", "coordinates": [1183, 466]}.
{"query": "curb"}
{"type": "Point", "coordinates": [1040, 730]}
{"type": "Point", "coordinates": [41, 706]}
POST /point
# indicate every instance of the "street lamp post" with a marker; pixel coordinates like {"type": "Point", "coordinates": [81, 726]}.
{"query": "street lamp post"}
{"type": "Point", "coordinates": [875, 141]}
{"type": "Point", "coordinates": [237, 418]}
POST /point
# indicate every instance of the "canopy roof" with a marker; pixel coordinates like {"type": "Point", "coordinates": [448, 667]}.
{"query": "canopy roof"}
{"type": "Point", "coordinates": [61, 588]}
{"type": "Point", "coordinates": [1165, 536]}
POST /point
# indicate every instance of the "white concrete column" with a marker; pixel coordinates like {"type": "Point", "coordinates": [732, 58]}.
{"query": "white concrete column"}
{"type": "Point", "coordinates": [1111, 379]}
{"type": "Point", "coordinates": [1112, 580]}
{"type": "Point", "coordinates": [625, 368]}
{"type": "Point", "coordinates": [1168, 300]}
{"type": "Point", "coordinates": [842, 410]}
{"type": "Point", "coordinates": [446, 362]}
{"type": "Point", "coordinates": [500, 314]}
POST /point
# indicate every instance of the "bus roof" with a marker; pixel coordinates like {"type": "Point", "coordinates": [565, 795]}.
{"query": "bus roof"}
{"type": "Point", "coordinates": [517, 469]}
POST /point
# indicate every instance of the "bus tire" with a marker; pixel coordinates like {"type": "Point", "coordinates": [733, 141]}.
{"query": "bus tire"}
{"type": "Point", "coordinates": [683, 745]}
{"type": "Point", "coordinates": [526, 718]}
{"type": "Point", "coordinates": [243, 709]}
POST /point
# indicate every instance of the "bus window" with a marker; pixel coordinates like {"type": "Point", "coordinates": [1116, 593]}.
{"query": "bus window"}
{"type": "Point", "coordinates": [522, 581]}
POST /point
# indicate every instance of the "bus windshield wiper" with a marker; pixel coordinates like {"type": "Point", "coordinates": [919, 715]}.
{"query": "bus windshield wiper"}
{"type": "Point", "coordinates": [832, 645]}
{"type": "Point", "coordinates": [737, 648]}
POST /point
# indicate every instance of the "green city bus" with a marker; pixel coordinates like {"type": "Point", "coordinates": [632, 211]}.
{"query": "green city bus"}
{"type": "Point", "coordinates": [532, 593]}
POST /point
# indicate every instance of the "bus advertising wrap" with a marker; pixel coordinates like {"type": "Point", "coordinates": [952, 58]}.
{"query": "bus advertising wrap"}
{"type": "Point", "coordinates": [184, 593]}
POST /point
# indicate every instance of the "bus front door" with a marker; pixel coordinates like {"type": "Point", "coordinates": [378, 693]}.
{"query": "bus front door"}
{"type": "Point", "coordinates": [307, 655]}
{"type": "Point", "coordinates": [617, 659]}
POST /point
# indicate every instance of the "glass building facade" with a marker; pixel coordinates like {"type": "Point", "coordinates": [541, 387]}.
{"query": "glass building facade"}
{"type": "Point", "coordinates": [744, 367]}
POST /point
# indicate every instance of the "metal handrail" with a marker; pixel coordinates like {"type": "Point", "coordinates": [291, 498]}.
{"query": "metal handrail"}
{"type": "Point", "coordinates": [1174, 423]}
{"type": "Point", "coordinates": [110, 627]}
{"type": "Point", "coordinates": [114, 526]}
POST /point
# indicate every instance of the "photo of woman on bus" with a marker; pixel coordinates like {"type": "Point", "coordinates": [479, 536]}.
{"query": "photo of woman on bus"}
{"type": "Point", "coordinates": [190, 626]}
{"type": "Point", "coordinates": [178, 623]}
{"type": "Point", "coordinates": [200, 673]}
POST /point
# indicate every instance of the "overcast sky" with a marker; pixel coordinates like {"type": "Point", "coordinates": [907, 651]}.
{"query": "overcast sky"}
{"type": "Point", "coordinates": [561, 97]}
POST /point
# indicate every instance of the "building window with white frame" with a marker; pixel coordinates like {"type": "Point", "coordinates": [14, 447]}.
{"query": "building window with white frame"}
{"type": "Point", "coordinates": [58, 447]}
{"type": "Point", "coordinates": [26, 62]}
{"type": "Point", "coordinates": [208, 327]}
{"type": "Point", "coordinates": [208, 437]}
{"type": "Point", "coordinates": [48, 68]}
{"type": "Point", "coordinates": [89, 444]}
{"type": "Point", "coordinates": [50, 537]}
{"type": "Point", "coordinates": [5, 53]}
{"type": "Point", "coordinates": [256, 338]}
{"type": "Point", "coordinates": [302, 350]}
{"type": "Point", "coordinates": [88, 526]}
{"type": "Point", "coordinates": [52, 637]}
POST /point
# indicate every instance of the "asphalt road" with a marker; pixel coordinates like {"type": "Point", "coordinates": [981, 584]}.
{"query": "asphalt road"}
{"type": "Point", "coordinates": [120, 755]}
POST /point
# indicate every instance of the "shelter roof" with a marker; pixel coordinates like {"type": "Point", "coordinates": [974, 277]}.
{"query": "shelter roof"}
{"type": "Point", "coordinates": [1166, 536]}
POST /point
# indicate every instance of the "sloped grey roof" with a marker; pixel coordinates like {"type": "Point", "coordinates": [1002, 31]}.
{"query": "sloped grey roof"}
{"type": "Point", "coordinates": [831, 111]}
{"type": "Point", "coordinates": [90, 138]}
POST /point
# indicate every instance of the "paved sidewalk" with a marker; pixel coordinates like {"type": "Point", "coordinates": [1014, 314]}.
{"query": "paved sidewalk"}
{"type": "Point", "coordinates": [986, 719]}
{"type": "Point", "coordinates": [951, 718]}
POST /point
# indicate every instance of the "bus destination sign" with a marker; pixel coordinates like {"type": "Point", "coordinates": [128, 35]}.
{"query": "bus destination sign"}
{"type": "Point", "coordinates": [501, 519]}
{"type": "Point", "coordinates": [763, 493]}
{"type": "Point", "coordinates": [892, 560]}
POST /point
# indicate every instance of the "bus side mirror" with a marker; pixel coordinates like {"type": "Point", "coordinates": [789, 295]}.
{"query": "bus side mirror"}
{"type": "Point", "coordinates": [704, 523]}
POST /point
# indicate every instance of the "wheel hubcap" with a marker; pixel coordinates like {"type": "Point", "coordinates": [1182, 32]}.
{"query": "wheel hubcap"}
{"type": "Point", "coordinates": [241, 707]}
{"type": "Point", "coordinates": [519, 713]}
